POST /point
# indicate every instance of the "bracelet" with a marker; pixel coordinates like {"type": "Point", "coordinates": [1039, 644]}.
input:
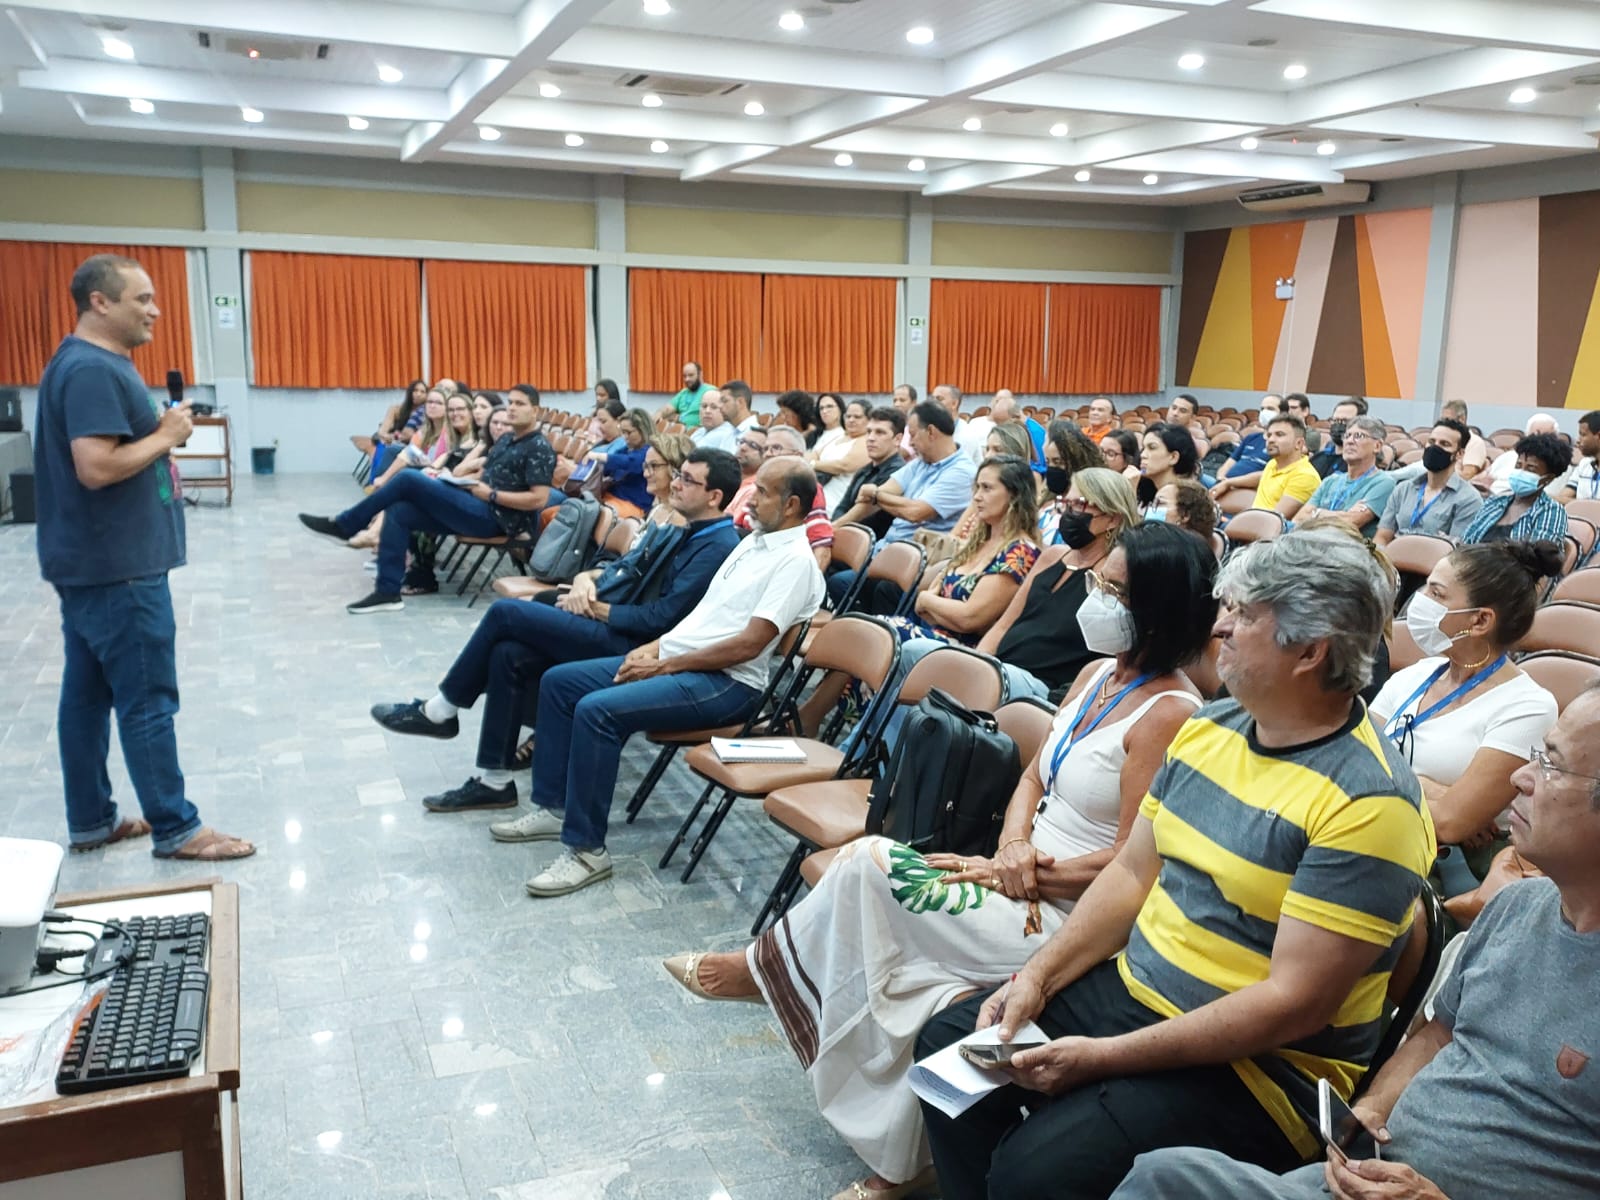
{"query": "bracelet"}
{"type": "Point", "coordinates": [1012, 842]}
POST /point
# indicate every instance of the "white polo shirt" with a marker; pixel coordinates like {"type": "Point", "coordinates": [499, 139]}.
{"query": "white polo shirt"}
{"type": "Point", "coordinates": [771, 576]}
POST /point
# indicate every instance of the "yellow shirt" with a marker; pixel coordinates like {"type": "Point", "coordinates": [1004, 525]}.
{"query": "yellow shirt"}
{"type": "Point", "coordinates": [1299, 480]}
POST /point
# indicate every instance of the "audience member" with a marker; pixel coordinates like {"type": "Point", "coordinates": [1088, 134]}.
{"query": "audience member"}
{"type": "Point", "coordinates": [836, 460]}
{"type": "Point", "coordinates": [499, 424]}
{"type": "Point", "coordinates": [1248, 456]}
{"type": "Point", "coordinates": [626, 490]}
{"type": "Point", "coordinates": [1525, 512]}
{"type": "Point", "coordinates": [785, 442]}
{"type": "Point", "coordinates": [668, 452]}
{"type": "Point", "coordinates": [1327, 458]}
{"type": "Point", "coordinates": [1102, 419]}
{"type": "Point", "coordinates": [1465, 715]}
{"type": "Point", "coordinates": [885, 425]}
{"type": "Point", "coordinates": [1584, 482]}
{"type": "Point", "coordinates": [715, 431]}
{"type": "Point", "coordinates": [685, 406]}
{"type": "Point", "coordinates": [798, 410]}
{"type": "Point", "coordinates": [397, 426]}
{"type": "Point", "coordinates": [1475, 456]}
{"type": "Point", "coordinates": [1187, 504]}
{"type": "Point", "coordinates": [607, 429]}
{"type": "Point", "coordinates": [749, 451]}
{"type": "Point", "coordinates": [830, 422]}
{"type": "Point", "coordinates": [1497, 480]}
{"type": "Point", "coordinates": [1236, 948]}
{"type": "Point", "coordinates": [460, 435]}
{"type": "Point", "coordinates": [891, 937]}
{"type": "Point", "coordinates": [611, 611]}
{"type": "Point", "coordinates": [515, 485]}
{"type": "Point", "coordinates": [1007, 410]}
{"type": "Point", "coordinates": [605, 390]}
{"type": "Point", "coordinates": [1360, 493]}
{"type": "Point", "coordinates": [736, 401]}
{"type": "Point", "coordinates": [708, 670]}
{"type": "Point", "coordinates": [1288, 480]}
{"type": "Point", "coordinates": [426, 442]}
{"type": "Point", "coordinates": [1491, 1097]}
{"type": "Point", "coordinates": [1066, 452]}
{"type": "Point", "coordinates": [484, 405]}
{"type": "Point", "coordinates": [948, 396]}
{"type": "Point", "coordinates": [1439, 501]}
{"type": "Point", "coordinates": [1296, 404]}
{"type": "Point", "coordinates": [905, 399]}
{"type": "Point", "coordinates": [1181, 412]}
{"type": "Point", "coordinates": [1121, 451]}
{"type": "Point", "coordinates": [1169, 453]}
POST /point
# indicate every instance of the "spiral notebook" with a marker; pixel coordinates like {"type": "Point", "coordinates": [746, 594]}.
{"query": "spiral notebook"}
{"type": "Point", "coordinates": [757, 750]}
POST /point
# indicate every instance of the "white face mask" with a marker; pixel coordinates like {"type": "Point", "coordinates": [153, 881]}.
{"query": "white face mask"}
{"type": "Point", "coordinates": [1107, 626]}
{"type": "Point", "coordinates": [1422, 619]}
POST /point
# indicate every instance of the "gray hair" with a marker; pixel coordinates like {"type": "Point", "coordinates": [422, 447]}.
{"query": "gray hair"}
{"type": "Point", "coordinates": [788, 433]}
{"type": "Point", "coordinates": [1322, 583]}
{"type": "Point", "coordinates": [1370, 426]}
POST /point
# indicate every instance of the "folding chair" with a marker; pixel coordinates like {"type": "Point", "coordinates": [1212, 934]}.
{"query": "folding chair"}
{"type": "Point", "coordinates": [1567, 625]}
{"type": "Point", "coordinates": [1253, 525]}
{"type": "Point", "coordinates": [1563, 674]}
{"type": "Point", "coordinates": [1415, 555]}
{"type": "Point", "coordinates": [1236, 501]}
{"type": "Point", "coordinates": [1403, 649]}
{"type": "Point", "coordinates": [1580, 585]}
{"type": "Point", "coordinates": [900, 563]}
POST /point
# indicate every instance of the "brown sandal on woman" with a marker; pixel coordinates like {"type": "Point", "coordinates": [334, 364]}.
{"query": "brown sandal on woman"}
{"type": "Point", "coordinates": [208, 845]}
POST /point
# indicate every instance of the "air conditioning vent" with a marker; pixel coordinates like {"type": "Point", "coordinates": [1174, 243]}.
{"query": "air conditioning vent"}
{"type": "Point", "coordinates": [1288, 197]}
{"type": "Point", "coordinates": [264, 49]}
{"type": "Point", "coordinates": [671, 85]}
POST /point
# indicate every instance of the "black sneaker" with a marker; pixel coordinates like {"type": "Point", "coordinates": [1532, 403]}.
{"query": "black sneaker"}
{"type": "Point", "coordinates": [410, 718]}
{"type": "Point", "coordinates": [474, 793]}
{"type": "Point", "coordinates": [326, 526]}
{"type": "Point", "coordinates": [377, 602]}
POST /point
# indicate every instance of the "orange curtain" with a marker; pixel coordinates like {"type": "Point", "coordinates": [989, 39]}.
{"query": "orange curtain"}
{"type": "Point", "coordinates": [826, 333]}
{"type": "Point", "coordinates": [1104, 338]}
{"type": "Point", "coordinates": [709, 317]}
{"type": "Point", "coordinates": [496, 324]}
{"type": "Point", "coordinates": [334, 320]}
{"type": "Point", "coordinates": [36, 277]}
{"type": "Point", "coordinates": [986, 336]}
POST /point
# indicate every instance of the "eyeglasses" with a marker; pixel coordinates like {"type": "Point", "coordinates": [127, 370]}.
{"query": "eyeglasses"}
{"type": "Point", "coordinates": [680, 477]}
{"type": "Point", "coordinates": [1355, 435]}
{"type": "Point", "coordinates": [650, 468]}
{"type": "Point", "coordinates": [753, 443]}
{"type": "Point", "coordinates": [1082, 506]}
{"type": "Point", "coordinates": [1099, 583]}
{"type": "Point", "coordinates": [1548, 770]}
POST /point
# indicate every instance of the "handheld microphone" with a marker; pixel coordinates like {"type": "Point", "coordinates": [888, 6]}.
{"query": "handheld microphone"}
{"type": "Point", "coordinates": [175, 387]}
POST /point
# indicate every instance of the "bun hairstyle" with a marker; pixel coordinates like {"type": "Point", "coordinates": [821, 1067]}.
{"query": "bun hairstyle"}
{"type": "Point", "coordinates": [1504, 577]}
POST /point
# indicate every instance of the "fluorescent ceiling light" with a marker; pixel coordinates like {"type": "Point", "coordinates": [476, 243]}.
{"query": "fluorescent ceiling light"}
{"type": "Point", "coordinates": [754, 109]}
{"type": "Point", "coordinates": [917, 164]}
{"type": "Point", "coordinates": [1522, 95]}
{"type": "Point", "coordinates": [651, 100]}
{"type": "Point", "coordinates": [1295, 71]}
{"type": "Point", "coordinates": [143, 107]}
{"type": "Point", "coordinates": [574, 140]}
{"type": "Point", "coordinates": [972, 124]}
{"type": "Point", "coordinates": [919, 35]}
{"type": "Point", "coordinates": [842, 160]}
{"type": "Point", "coordinates": [253, 115]}
{"type": "Point", "coordinates": [659, 147]}
{"type": "Point", "coordinates": [115, 47]}
{"type": "Point", "coordinates": [549, 90]}
{"type": "Point", "coordinates": [1249, 143]}
{"type": "Point", "coordinates": [1059, 129]}
{"type": "Point", "coordinates": [1083, 176]}
{"type": "Point", "coordinates": [1192, 62]}
{"type": "Point", "coordinates": [488, 133]}
{"type": "Point", "coordinates": [792, 21]}
{"type": "Point", "coordinates": [390, 74]}
{"type": "Point", "coordinates": [358, 123]}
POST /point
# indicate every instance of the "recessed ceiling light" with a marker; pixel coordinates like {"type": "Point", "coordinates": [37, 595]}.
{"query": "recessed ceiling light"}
{"type": "Point", "coordinates": [488, 133]}
{"type": "Point", "coordinates": [919, 35]}
{"type": "Point", "coordinates": [651, 100]}
{"type": "Point", "coordinates": [143, 107]}
{"type": "Point", "coordinates": [917, 164]}
{"type": "Point", "coordinates": [1059, 129]}
{"type": "Point", "coordinates": [549, 90]}
{"type": "Point", "coordinates": [358, 123]}
{"type": "Point", "coordinates": [1083, 176]}
{"type": "Point", "coordinates": [754, 109]}
{"type": "Point", "coordinates": [1192, 62]}
{"type": "Point", "coordinates": [792, 21]}
{"type": "Point", "coordinates": [1326, 148]}
{"type": "Point", "coordinates": [574, 140]}
{"type": "Point", "coordinates": [252, 54]}
{"type": "Point", "coordinates": [115, 47]}
{"type": "Point", "coordinates": [1522, 95]}
{"type": "Point", "coordinates": [390, 74]}
{"type": "Point", "coordinates": [1295, 71]}
{"type": "Point", "coordinates": [972, 124]}
{"type": "Point", "coordinates": [657, 8]}
{"type": "Point", "coordinates": [253, 115]}
{"type": "Point", "coordinates": [1249, 143]}
{"type": "Point", "coordinates": [842, 160]}
{"type": "Point", "coordinates": [1152, 179]}
{"type": "Point", "coordinates": [659, 147]}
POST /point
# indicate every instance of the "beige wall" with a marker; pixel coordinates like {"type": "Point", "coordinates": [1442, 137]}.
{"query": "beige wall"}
{"type": "Point", "coordinates": [804, 237]}
{"type": "Point", "coordinates": [430, 216]}
{"type": "Point", "coordinates": [1050, 248]}
{"type": "Point", "coordinates": [68, 198]}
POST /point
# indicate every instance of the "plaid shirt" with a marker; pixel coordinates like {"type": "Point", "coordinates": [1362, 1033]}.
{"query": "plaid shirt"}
{"type": "Point", "coordinates": [1546, 521]}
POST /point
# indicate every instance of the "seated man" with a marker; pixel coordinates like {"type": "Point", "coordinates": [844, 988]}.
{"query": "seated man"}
{"type": "Point", "coordinates": [1181, 412]}
{"type": "Point", "coordinates": [1583, 482]}
{"type": "Point", "coordinates": [1288, 480]}
{"type": "Point", "coordinates": [1493, 1096]}
{"type": "Point", "coordinates": [1102, 419]}
{"type": "Point", "coordinates": [1237, 947]}
{"type": "Point", "coordinates": [708, 670]}
{"type": "Point", "coordinates": [1326, 457]}
{"type": "Point", "coordinates": [786, 442]}
{"type": "Point", "coordinates": [969, 438]}
{"type": "Point", "coordinates": [930, 492]}
{"type": "Point", "coordinates": [714, 432]}
{"type": "Point", "coordinates": [1248, 456]}
{"type": "Point", "coordinates": [1006, 410]}
{"type": "Point", "coordinates": [884, 427]}
{"type": "Point", "coordinates": [1437, 499]}
{"type": "Point", "coordinates": [515, 485]}
{"type": "Point", "coordinates": [610, 611]}
{"type": "Point", "coordinates": [748, 452]}
{"type": "Point", "coordinates": [1359, 493]}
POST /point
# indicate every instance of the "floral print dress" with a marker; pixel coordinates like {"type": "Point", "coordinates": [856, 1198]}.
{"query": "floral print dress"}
{"type": "Point", "coordinates": [1014, 561]}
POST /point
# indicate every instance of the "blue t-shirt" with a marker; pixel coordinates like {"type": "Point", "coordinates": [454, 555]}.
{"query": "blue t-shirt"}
{"type": "Point", "coordinates": [1249, 455]}
{"type": "Point", "coordinates": [945, 485]}
{"type": "Point", "coordinates": [1340, 493]}
{"type": "Point", "coordinates": [1036, 435]}
{"type": "Point", "coordinates": [129, 530]}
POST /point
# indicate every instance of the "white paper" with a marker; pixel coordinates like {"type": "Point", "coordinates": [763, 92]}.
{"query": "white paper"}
{"type": "Point", "coordinates": [733, 750]}
{"type": "Point", "coordinates": [951, 1084]}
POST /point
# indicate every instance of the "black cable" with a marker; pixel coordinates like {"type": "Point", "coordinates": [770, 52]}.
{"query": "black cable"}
{"type": "Point", "coordinates": [77, 977]}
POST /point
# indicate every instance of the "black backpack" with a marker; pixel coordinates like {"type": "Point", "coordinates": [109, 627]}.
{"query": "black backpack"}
{"type": "Point", "coordinates": [564, 546]}
{"type": "Point", "coordinates": [948, 782]}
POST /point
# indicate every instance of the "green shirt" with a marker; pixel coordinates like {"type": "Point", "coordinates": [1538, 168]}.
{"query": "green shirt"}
{"type": "Point", "coordinates": [688, 405]}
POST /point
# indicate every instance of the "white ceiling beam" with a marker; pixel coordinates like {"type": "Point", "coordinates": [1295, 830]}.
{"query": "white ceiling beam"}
{"type": "Point", "coordinates": [556, 156]}
{"type": "Point", "coordinates": [845, 116]}
{"type": "Point", "coordinates": [931, 143]}
{"type": "Point", "coordinates": [1140, 98]}
{"type": "Point", "coordinates": [354, 22]}
{"type": "Point", "coordinates": [234, 133]}
{"type": "Point", "coordinates": [560, 116]}
{"type": "Point", "coordinates": [1089, 28]}
{"type": "Point", "coordinates": [830, 176]}
{"type": "Point", "coordinates": [1463, 125]}
{"type": "Point", "coordinates": [1150, 138]}
{"type": "Point", "coordinates": [1288, 168]}
{"type": "Point", "coordinates": [976, 175]}
{"type": "Point", "coordinates": [714, 159]}
{"type": "Point", "coordinates": [1407, 153]}
{"type": "Point", "coordinates": [541, 27]}
{"type": "Point", "coordinates": [1526, 23]}
{"type": "Point", "coordinates": [18, 48]}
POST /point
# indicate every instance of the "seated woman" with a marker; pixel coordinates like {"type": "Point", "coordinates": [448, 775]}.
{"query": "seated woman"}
{"type": "Point", "coordinates": [1120, 449]}
{"type": "Point", "coordinates": [889, 937]}
{"type": "Point", "coordinates": [836, 460]}
{"type": "Point", "coordinates": [1187, 504]}
{"type": "Point", "coordinates": [1526, 513]}
{"type": "Point", "coordinates": [607, 428]}
{"type": "Point", "coordinates": [626, 490]}
{"type": "Point", "coordinates": [1003, 441]}
{"type": "Point", "coordinates": [1466, 715]}
{"type": "Point", "coordinates": [460, 436]}
{"type": "Point", "coordinates": [426, 444]}
{"type": "Point", "coordinates": [483, 406]}
{"type": "Point", "coordinates": [1067, 450]}
{"type": "Point", "coordinates": [1168, 454]}
{"type": "Point", "coordinates": [395, 420]}
{"type": "Point", "coordinates": [499, 424]}
{"type": "Point", "coordinates": [830, 421]}
{"type": "Point", "coordinates": [605, 391]}
{"type": "Point", "coordinates": [666, 454]}
{"type": "Point", "coordinates": [798, 410]}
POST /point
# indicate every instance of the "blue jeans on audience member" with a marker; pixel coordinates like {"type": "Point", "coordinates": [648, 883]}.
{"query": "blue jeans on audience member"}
{"type": "Point", "coordinates": [414, 501]}
{"type": "Point", "coordinates": [584, 719]}
{"type": "Point", "coordinates": [506, 657]}
{"type": "Point", "coordinates": [119, 642]}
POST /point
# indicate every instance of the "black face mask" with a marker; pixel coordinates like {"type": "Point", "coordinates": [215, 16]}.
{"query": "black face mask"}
{"type": "Point", "coordinates": [1436, 458]}
{"type": "Point", "coordinates": [1074, 530]}
{"type": "Point", "coordinates": [1336, 432]}
{"type": "Point", "coordinates": [1057, 480]}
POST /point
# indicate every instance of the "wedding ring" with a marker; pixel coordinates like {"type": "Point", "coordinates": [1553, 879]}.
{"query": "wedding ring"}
{"type": "Point", "coordinates": [963, 864]}
{"type": "Point", "coordinates": [994, 882]}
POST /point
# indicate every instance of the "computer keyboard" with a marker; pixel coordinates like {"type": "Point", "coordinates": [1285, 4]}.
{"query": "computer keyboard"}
{"type": "Point", "coordinates": [149, 1023]}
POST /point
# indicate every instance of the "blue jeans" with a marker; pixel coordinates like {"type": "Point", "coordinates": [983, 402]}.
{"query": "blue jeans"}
{"type": "Point", "coordinates": [413, 501]}
{"type": "Point", "coordinates": [505, 658]}
{"type": "Point", "coordinates": [119, 641]}
{"type": "Point", "coordinates": [584, 719]}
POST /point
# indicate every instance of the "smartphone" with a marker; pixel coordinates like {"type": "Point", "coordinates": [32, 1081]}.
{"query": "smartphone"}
{"type": "Point", "coordinates": [1341, 1129]}
{"type": "Point", "coordinates": [991, 1056]}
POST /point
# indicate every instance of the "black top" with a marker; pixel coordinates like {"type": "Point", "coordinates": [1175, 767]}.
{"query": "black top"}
{"type": "Point", "coordinates": [1045, 641]}
{"type": "Point", "coordinates": [518, 464]}
{"type": "Point", "coordinates": [874, 473]}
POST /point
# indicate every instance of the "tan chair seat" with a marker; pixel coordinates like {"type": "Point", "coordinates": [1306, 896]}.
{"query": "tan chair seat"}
{"type": "Point", "coordinates": [757, 779]}
{"type": "Point", "coordinates": [823, 814]}
{"type": "Point", "coordinates": [520, 587]}
{"type": "Point", "coordinates": [812, 868]}
{"type": "Point", "coordinates": [690, 737]}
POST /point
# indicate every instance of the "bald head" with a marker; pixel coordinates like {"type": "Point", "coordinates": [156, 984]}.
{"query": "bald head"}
{"type": "Point", "coordinates": [1003, 409]}
{"type": "Point", "coordinates": [784, 490]}
{"type": "Point", "coordinates": [1541, 423]}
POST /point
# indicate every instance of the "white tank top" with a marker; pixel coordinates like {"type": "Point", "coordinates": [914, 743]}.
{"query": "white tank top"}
{"type": "Point", "coordinates": [1080, 813]}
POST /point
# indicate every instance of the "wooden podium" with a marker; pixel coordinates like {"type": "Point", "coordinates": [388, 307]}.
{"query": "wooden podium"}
{"type": "Point", "coordinates": [211, 442]}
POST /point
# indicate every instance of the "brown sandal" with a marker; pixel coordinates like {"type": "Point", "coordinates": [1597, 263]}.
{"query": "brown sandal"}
{"type": "Point", "coordinates": [128, 827]}
{"type": "Point", "coordinates": [207, 845]}
{"type": "Point", "coordinates": [525, 752]}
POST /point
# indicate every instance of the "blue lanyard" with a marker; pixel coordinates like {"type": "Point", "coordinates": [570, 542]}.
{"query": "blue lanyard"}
{"type": "Point", "coordinates": [1420, 510]}
{"type": "Point", "coordinates": [1400, 723]}
{"type": "Point", "coordinates": [1349, 485]}
{"type": "Point", "coordinates": [1073, 736]}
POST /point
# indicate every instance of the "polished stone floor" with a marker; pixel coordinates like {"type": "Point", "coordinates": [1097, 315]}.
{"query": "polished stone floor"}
{"type": "Point", "coordinates": [413, 1024]}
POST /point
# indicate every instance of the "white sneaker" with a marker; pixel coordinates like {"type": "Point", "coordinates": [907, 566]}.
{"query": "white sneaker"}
{"type": "Point", "coordinates": [539, 824]}
{"type": "Point", "coordinates": [574, 869]}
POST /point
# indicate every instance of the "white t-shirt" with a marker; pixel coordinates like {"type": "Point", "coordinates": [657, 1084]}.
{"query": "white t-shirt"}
{"type": "Point", "coordinates": [1585, 480]}
{"type": "Point", "coordinates": [1510, 718]}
